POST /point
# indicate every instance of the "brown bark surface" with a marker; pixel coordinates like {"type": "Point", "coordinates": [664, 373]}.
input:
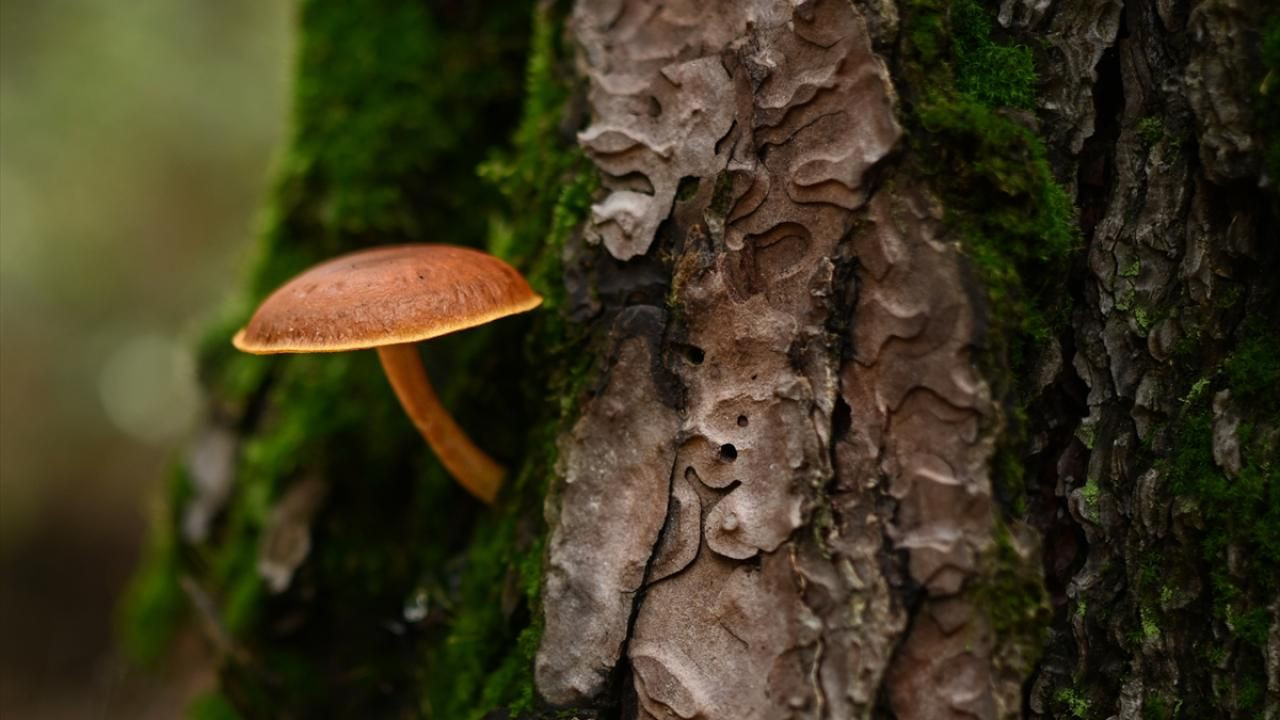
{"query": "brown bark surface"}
{"type": "Point", "coordinates": [794, 452]}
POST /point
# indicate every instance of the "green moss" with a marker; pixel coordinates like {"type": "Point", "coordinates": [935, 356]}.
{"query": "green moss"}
{"type": "Point", "coordinates": [1243, 511]}
{"type": "Point", "coordinates": [1237, 515]}
{"type": "Point", "coordinates": [1150, 626]}
{"type": "Point", "coordinates": [1074, 703]}
{"type": "Point", "coordinates": [1013, 595]}
{"type": "Point", "coordinates": [1196, 391]}
{"type": "Point", "coordinates": [1143, 318]}
{"type": "Point", "coordinates": [1157, 707]}
{"type": "Point", "coordinates": [475, 659]}
{"type": "Point", "coordinates": [153, 605]}
{"type": "Point", "coordinates": [1013, 220]}
{"type": "Point", "coordinates": [1267, 103]}
{"type": "Point", "coordinates": [994, 74]}
{"type": "Point", "coordinates": [394, 104]}
{"type": "Point", "coordinates": [1252, 371]}
{"type": "Point", "coordinates": [1150, 130]}
{"type": "Point", "coordinates": [1091, 494]}
{"type": "Point", "coordinates": [1150, 571]}
{"type": "Point", "coordinates": [1217, 655]}
{"type": "Point", "coordinates": [485, 660]}
{"type": "Point", "coordinates": [1015, 224]}
{"type": "Point", "coordinates": [211, 706]}
{"type": "Point", "coordinates": [1250, 692]}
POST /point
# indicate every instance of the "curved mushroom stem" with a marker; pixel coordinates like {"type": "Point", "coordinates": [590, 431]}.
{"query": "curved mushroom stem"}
{"type": "Point", "coordinates": [469, 465]}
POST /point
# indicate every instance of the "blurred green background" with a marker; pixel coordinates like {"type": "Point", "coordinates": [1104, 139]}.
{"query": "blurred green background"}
{"type": "Point", "coordinates": [135, 143]}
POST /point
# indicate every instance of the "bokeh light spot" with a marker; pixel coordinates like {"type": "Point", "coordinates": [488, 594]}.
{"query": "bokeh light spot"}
{"type": "Point", "coordinates": [148, 388]}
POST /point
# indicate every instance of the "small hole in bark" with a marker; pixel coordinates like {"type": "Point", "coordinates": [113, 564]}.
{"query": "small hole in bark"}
{"type": "Point", "coordinates": [841, 418]}
{"type": "Point", "coordinates": [742, 421]}
{"type": "Point", "coordinates": [687, 188]}
{"type": "Point", "coordinates": [728, 452]}
{"type": "Point", "coordinates": [695, 355]}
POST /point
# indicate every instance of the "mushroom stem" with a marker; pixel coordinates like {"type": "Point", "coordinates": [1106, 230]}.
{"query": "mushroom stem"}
{"type": "Point", "coordinates": [469, 465]}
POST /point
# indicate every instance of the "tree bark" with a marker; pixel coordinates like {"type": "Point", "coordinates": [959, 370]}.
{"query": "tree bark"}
{"type": "Point", "coordinates": [900, 358]}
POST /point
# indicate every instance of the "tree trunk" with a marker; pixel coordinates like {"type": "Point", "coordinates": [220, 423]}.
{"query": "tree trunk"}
{"type": "Point", "coordinates": [900, 358]}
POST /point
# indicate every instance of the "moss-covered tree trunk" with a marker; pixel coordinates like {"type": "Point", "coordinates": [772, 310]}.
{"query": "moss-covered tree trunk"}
{"type": "Point", "coordinates": [911, 358]}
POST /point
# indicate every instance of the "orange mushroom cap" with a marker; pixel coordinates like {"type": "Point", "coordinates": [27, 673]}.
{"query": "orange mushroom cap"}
{"type": "Point", "coordinates": [385, 296]}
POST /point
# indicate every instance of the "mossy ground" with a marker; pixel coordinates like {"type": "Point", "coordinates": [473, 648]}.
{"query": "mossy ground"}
{"type": "Point", "coordinates": [395, 106]}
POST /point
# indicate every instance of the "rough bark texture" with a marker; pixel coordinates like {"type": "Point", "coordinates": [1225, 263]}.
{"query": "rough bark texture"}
{"type": "Point", "coordinates": [1175, 314]}
{"type": "Point", "coordinates": [772, 118]}
{"type": "Point", "coordinates": [901, 358]}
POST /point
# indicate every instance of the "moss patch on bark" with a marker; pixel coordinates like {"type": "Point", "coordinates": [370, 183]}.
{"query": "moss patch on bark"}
{"type": "Point", "coordinates": [485, 662]}
{"type": "Point", "coordinates": [1268, 99]}
{"type": "Point", "coordinates": [394, 105]}
{"type": "Point", "coordinates": [1237, 526]}
{"type": "Point", "coordinates": [964, 92]}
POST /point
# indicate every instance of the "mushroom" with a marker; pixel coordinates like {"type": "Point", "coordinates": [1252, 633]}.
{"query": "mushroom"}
{"type": "Point", "coordinates": [389, 298]}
